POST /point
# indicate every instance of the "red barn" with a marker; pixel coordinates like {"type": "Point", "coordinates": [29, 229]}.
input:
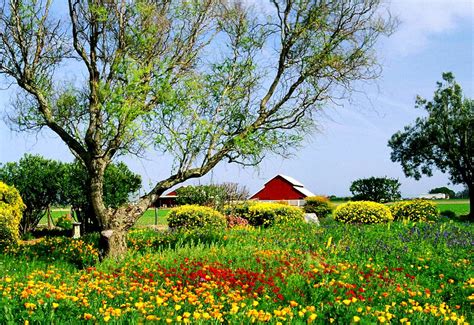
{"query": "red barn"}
{"type": "Point", "coordinates": [167, 200]}
{"type": "Point", "coordinates": [283, 188]}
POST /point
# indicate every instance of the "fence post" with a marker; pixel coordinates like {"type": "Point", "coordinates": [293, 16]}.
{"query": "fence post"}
{"type": "Point", "coordinates": [156, 217]}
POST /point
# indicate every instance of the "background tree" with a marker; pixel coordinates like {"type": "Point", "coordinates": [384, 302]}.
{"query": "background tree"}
{"type": "Point", "coordinates": [377, 189]}
{"type": "Point", "coordinates": [205, 195]}
{"type": "Point", "coordinates": [202, 81]}
{"type": "Point", "coordinates": [450, 194]}
{"type": "Point", "coordinates": [443, 139]}
{"type": "Point", "coordinates": [119, 185]}
{"type": "Point", "coordinates": [39, 181]}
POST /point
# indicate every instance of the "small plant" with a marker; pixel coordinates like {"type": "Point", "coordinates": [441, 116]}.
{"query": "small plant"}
{"type": "Point", "coordinates": [65, 222]}
{"type": "Point", "coordinates": [195, 217]}
{"type": "Point", "coordinates": [415, 210]}
{"type": "Point", "coordinates": [362, 212]}
{"type": "Point", "coordinates": [319, 205]}
{"type": "Point", "coordinates": [267, 214]}
{"type": "Point", "coordinates": [11, 208]}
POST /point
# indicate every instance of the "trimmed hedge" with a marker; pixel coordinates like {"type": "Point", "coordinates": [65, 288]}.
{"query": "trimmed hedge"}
{"type": "Point", "coordinates": [267, 214]}
{"type": "Point", "coordinates": [319, 205]}
{"type": "Point", "coordinates": [415, 210]}
{"type": "Point", "coordinates": [362, 212]}
{"type": "Point", "coordinates": [11, 208]}
{"type": "Point", "coordinates": [195, 217]}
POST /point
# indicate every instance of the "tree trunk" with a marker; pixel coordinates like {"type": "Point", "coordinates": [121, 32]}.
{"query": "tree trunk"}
{"type": "Point", "coordinates": [113, 244]}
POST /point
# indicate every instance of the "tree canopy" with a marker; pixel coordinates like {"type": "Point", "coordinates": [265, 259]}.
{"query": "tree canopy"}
{"type": "Point", "coordinates": [203, 81]}
{"type": "Point", "coordinates": [377, 189]}
{"type": "Point", "coordinates": [442, 139]}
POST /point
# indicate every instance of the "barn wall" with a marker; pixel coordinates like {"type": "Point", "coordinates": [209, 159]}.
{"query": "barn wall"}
{"type": "Point", "coordinates": [278, 189]}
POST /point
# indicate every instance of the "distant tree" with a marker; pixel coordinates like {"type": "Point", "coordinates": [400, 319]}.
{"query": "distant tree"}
{"type": "Point", "coordinates": [205, 195]}
{"type": "Point", "coordinates": [443, 139]}
{"type": "Point", "coordinates": [39, 181]}
{"type": "Point", "coordinates": [377, 189]}
{"type": "Point", "coordinates": [233, 192]}
{"type": "Point", "coordinates": [443, 190]}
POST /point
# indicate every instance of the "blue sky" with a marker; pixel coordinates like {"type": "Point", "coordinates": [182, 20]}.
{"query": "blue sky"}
{"type": "Point", "coordinates": [435, 36]}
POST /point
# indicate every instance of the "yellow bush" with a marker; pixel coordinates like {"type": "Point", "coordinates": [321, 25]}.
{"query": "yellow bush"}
{"type": "Point", "coordinates": [195, 217]}
{"type": "Point", "coordinates": [415, 210]}
{"type": "Point", "coordinates": [11, 207]}
{"type": "Point", "coordinates": [362, 212]}
{"type": "Point", "coordinates": [267, 214]}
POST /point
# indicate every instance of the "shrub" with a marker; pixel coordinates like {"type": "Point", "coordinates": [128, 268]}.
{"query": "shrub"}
{"type": "Point", "coordinates": [11, 208]}
{"type": "Point", "coordinates": [239, 209]}
{"type": "Point", "coordinates": [319, 205]}
{"type": "Point", "coordinates": [65, 222]}
{"type": "Point", "coordinates": [267, 214]}
{"type": "Point", "coordinates": [195, 217]}
{"type": "Point", "coordinates": [362, 212]}
{"type": "Point", "coordinates": [415, 210]}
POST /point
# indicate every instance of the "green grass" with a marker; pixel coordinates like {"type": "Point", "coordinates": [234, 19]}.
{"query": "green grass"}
{"type": "Point", "coordinates": [147, 219]}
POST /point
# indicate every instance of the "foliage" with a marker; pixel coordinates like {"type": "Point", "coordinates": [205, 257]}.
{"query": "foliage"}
{"type": "Point", "coordinates": [65, 222]}
{"type": "Point", "coordinates": [362, 212]}
{"type": "Point", "coordinates": [119, 183]}
{"type": "Point", "coordinates": [443, 138]}
{"type": "Point", "coordinates": [188, 217]}
{"type": "Point", "coordinates": [39, 181]}
{"type": "Point", "coordinates": [11, 208]}
{"type": "Point", "coordinates": [415, 210]}
{"type": "Point", "coordinates": [268, 214]}
{"type": "Point", "coordinates": [240, 209]}
{"type": "Point", "coordinates": [464, 194]}
{"type": "Point", "coordinates": [150, 83]}
{"type": "Point", "coordinates": [450, 194]}
{"type": "Point", "coordinates": [298, 274]}
{"type": "Point", "coordinates": [204, 195]}
{"type": "Point", "coordinates": [376, 189]}
{"type": "Point", "coordinates": [319, 205]}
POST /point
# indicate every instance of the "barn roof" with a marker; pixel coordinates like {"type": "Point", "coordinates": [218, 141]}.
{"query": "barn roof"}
{"type": "Point", "coordinates": [291, 180]}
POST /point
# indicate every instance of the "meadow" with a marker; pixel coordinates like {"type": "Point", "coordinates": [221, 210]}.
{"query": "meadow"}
{"type": "Point", "coordinates": [401, 272]}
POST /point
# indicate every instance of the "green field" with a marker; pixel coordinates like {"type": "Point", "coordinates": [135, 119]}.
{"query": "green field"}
{"type": "Point", "coordinates": [146, 220]}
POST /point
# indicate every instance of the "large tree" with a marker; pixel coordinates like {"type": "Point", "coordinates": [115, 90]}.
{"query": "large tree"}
{"type": "Point", "coordinates": [444, 138]}
{"type": "Point", "coordinates": [377, 189]}
{"type": "Point", "coordinates": [39, 181]}
{"type": "Point", "coordinates": [201, 80]}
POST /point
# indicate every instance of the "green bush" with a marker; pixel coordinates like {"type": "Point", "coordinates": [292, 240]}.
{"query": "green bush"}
{"type": "Point", "coordinates": [267, 214]}
{"type": "Point", "coordinates": [11, 208]}
{"type": "Point", "coordinates": [195, 217]}
{"type": "Point", "coordinates": [415, 210]}
{"type": "Point", "coordinates": [362, 212]}
{"type": "Point", "coordinates": [65, 222]}
{"type": "Point", "coordinates": [319, 205]}
{"type": "Point", "coordinates": [239, 210]}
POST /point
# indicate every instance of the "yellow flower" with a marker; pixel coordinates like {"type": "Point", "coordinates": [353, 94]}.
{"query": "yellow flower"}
{"type": "Point", "coordinates": [87, 316]}
{"type": "Point", "coordinates": [312, 317]}
{"type": "Point", "coordinates": [347, 302]}
{"type": "Point", "coordinates": [382, 319]}
{"type": "Point", "coordinates": [106, 318]}
{"type": "Point", "coordinates": [356, 319]}
{"type": "Point", "coordinates": [55, 305]}
{"type": "Point", "coordinates": [292, 303]}
{"type": "Point", "coordinates": [177, 307]}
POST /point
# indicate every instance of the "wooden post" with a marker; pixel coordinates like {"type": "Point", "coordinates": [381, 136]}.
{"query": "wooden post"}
{"type": "Point", "coordinates": [156, 217]}
{"type": "Point", "coordinates": [50, 221]}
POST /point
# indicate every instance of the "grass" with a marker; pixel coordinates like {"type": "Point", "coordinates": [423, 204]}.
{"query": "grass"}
{"type": "Point", "coordinates": [147, 219]}
{"type": "Point", "coordinates": [295, 273]}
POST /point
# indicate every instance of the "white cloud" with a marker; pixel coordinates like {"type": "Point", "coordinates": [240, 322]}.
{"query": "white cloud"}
{"type": "Point", "coordinates": [422, 19]}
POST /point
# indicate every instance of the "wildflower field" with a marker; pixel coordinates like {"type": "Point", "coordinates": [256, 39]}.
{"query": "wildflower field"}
{"type": "Point", "coordinates": [300, 273]}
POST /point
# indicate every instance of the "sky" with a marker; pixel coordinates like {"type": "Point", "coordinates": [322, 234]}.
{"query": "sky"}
{"type": "Point", "coordinates": [434, 36]}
